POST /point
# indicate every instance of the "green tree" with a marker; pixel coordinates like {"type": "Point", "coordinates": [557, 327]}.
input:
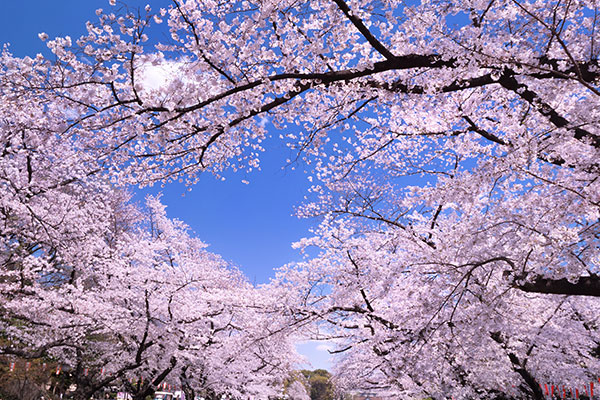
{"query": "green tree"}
{"type": "Point", "coordinates": [320, 385]}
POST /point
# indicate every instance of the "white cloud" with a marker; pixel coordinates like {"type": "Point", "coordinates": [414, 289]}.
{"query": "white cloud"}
{"type": "Point", "coordinates": [160, 73]}
{"type": "Point", "coordinates": [324, 347]}
{"type": "Point", "coordinates": [316, 353]}
{"type": "Point", "coordinates": [264, 120]}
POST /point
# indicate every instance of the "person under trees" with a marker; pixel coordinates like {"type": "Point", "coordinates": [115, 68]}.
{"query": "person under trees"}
{"type": "Point", "coordinates": [453, 149]}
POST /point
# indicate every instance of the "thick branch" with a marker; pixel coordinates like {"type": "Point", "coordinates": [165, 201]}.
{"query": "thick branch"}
{"type": "Point", "coordinates": [519, 367]}
{"type": "Point", "coordinates": [41, 351]}
{"type": "Point", "coordinates": [585, 286]}
{"type": "Point", "coordinates": [508, 81]}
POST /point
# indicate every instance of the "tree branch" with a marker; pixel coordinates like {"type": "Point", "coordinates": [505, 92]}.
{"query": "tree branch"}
{"type": "Point", "coordinates": [508, 81]}
{"type": "Point", "coordinates": [357, 22]}
{"type": "Point", "coordinates": [585, 286]}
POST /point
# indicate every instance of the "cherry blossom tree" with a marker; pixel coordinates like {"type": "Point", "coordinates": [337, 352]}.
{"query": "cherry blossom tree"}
{"type": "Point", "coordinates": [153, 306]}
{"type": "Point", "coordinates": [408, 334]}
{"type": "Point", "coordinates": [453, 150]}
{"type": "Point", "coordinates": [483, 95]}
{"type": "Point", "coordinates": [115, 294]}
{"type": "Point", "coordinates": [297, 391]}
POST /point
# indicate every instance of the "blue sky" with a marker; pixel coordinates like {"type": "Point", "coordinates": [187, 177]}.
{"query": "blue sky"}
{"type": "Point", "coordinates": [251, 225]}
